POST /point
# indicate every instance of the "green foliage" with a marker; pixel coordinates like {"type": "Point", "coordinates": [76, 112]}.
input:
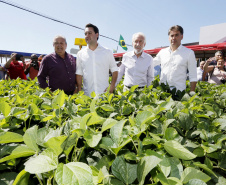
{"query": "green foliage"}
{"type": "Point", "coordinates": [142, 136]}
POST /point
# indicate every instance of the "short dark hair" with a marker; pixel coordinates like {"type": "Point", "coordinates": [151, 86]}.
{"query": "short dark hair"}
{"type": "Point", "coordinates": [95, 29]}
{"type": "Point", "coordinates": [177, 28]}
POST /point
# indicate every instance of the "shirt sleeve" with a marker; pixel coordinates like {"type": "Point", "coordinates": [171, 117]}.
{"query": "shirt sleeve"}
{"type": "Point", "coordinates": [120, 73]}
{"type": "Point", "coordinates": [113, 67]}
{"type": "Point", "coordinates": [79, 70]}
{"type": "Point", "coordinates": [150, 73]}
{"type": "Point", "coordinates": [43, 73]}
{"type": "Point", "coordinates": [192, 67]}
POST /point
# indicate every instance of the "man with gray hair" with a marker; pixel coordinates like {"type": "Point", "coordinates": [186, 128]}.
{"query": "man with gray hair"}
{"type": "Point", "coordinates": [59, 68]}
{"type": "Point", "coordinates": [218, 55]}
{"type": "Point", "coordinates": [137, 66]}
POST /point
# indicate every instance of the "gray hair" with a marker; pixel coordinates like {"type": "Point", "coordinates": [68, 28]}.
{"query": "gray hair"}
{"type": "Point", "coordinates": [139, 34]}
{"type": "Point", "coordinates": [59, 36]}
{"type": "Point", "coordinates": [219, 52]}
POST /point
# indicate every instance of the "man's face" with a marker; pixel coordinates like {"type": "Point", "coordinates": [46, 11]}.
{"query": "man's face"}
{"type": "Point", "coordinates": [175, 38]}
{"type": "Point", "coordinates": [90, 36]}
{"type": "Point", "coordinates": [60, 46]}
{"type": "Point", "coordinates": [218, 56]}
{"type": "Point", "coordinates": [138, 44]}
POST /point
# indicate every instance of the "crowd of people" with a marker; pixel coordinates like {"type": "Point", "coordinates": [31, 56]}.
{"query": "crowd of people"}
{"type": "Point", "coordinates": [16, 67]}
{"type": "Point", "coordinates": [213, 70]}
{"type": "Point", "coordinates": [90, 71]}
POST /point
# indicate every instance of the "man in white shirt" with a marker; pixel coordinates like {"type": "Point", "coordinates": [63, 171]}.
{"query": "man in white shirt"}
{"type": "Point", "coordinates": [137, 65]}
{"type": "Point", "coordinates": [93, 65]}
{"type": "Point", "coordinates": [200, 71]}
{"type": "Point", "coordinates": [175, 61]}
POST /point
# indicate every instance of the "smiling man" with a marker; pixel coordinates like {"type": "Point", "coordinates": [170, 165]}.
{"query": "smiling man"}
{"type": "Point", "coordinates": [94, 63]}
{"type": "Point", "coordinates": [136, 65]}
{"type": "Point", "coordinates": [175, 61]}
{"type": "Point", "coordinates": [57, 70]}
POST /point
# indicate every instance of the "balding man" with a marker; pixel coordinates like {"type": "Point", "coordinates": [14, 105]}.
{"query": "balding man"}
{"type": "Point", "coordinates": [59, 68]}
{"type": "Point", "coordinates": [137, 66]}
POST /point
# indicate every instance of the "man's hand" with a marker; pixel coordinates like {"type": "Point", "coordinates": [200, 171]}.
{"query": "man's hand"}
{"type": "Point", "coordinates": [112, 88]}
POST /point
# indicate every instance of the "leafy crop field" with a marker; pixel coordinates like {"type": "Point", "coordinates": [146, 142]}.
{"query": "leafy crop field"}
{"type": "Point", "coordinates": [135, 137]}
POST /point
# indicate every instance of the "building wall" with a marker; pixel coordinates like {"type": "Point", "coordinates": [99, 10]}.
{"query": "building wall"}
{"type": "Point", "coordinates": [213, 34]}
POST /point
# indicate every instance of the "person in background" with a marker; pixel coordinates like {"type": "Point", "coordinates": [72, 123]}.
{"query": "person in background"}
{"type": "Point", "coordinates": [200, 71]}
{"type": "Point", "coordinates": [16, 68]}
{"type": "Point", "coordinates": [94, 63]}
{"type": "Point", "coordinates": [137, 65]}
{"type": "Point", "coordinates": [32, 67]}
{"type": "Point", "coordinates": [218, 55]}
{"type": "Point", "coordinates": [175, 61]}
{"type": "Point", "coordinates": [2, 72]}
{"type": "Point", "coordinates": [40, 58]}
{"type": "Point", "coordinates": [59, 68]}
{"type": "Point", "coordinates": [216, 73]}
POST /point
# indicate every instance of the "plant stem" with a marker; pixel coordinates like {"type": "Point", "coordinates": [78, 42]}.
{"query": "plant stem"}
{"type": "Point", "coordinates": [39, 179]}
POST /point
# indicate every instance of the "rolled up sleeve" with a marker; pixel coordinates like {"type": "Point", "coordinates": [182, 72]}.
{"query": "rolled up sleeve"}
{"type": "Point", "coordinates": [113, 67]}
{"type": "Point", "coordinates": [42, 74]}
{"type": "Point", "coordinates": [79, 70]}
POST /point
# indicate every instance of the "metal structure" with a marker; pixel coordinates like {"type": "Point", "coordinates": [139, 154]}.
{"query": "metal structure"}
{"type": "Point", "coordinates": [201, 51]}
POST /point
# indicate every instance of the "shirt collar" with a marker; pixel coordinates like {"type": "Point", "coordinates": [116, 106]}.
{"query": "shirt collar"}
{"type": "Point", "coordinates": [98, 47]}
{"type": "Point", "coordinates": [60, 56]}
{"type": "Point", "coordinates": [133, 54]}
{"type": "Point", "coordinates": [179, 48]}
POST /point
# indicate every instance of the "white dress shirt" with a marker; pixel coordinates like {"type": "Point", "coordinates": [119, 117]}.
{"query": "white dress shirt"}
{"type": "Point", "coordinates": [174, 66]}
{"type": "Point", "coordinates": [199, 73]}
{"type": "Point", "coordinates": [94, 66]}
{"type": "Point", "coordinates": [138, 71]}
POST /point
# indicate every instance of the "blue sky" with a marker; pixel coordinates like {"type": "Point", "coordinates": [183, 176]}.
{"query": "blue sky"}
{"type": "Point", "coordinates": [26, 32]}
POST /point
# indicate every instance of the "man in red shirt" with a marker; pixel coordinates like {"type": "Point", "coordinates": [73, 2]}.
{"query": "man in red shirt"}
{"type": "Point", "coordinates": [15, 68]}
{"type": "Point", "coordinates": [32, 67]}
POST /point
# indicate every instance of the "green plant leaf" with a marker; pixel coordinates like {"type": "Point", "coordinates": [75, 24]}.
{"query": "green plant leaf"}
{"type": "Point", "coordinates": [56, 144]}
{"type": "Point", "coordinates": [92, 138]}
{"type": "Point", "coordinates": [116, 132]}
{"type": "Point", "coordinates": [75, 173]}
{"type": "Point", "coordinates": [107, 108]}
{"type": "Point", "coordinates": [22, 178]}
{"type": "Point", "coordinates": [7, 178]}
{"type": "Point", "coordinates": [10, 137]}
{"type": "Point", "coordinates": [20, 151]}
{"type": "Point", "coordinates": [177, 150]}
{"type": "Point", "coordinates": [95, 119]}
{"type": "Point", "coordinates": [44, 162]}
{"type": "Point", "coordinates": [58, 100]}
{"type": "Point", "coordinates": [196, 182]}
{"type": "Point", "coordinates": [165, 166]}
{"type": "Point", "coordinates": [171, 133]}
{"type": "Point", "coordinates": [33, 109]}
{"type": "Point", "coordinates": [143, 117]}
{"type": "Point", "coordinates": [124, 171]}
{"type": "Point", "coordinates": [30, 138]}
{"type": "Point", "coordinates": [205, 167]}
{"type": "Point", "coordinates": [5, 108]}
{"type": "Point", "coordinates": [108, 124]}
{"type": "Point", "coordinates": [92, 105]}
{"type": "Point", "coordinates": [145, 165]}
{"type": "Point", "coordinates": [176, 167]}
{"type": "Point", "coordinates": [70, 143]}
{"type": "Point", "coordinates": [192, 173]}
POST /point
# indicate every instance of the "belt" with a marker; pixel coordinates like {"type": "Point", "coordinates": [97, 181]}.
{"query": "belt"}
{"type": "Point", "coordinates": [137, 87]}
